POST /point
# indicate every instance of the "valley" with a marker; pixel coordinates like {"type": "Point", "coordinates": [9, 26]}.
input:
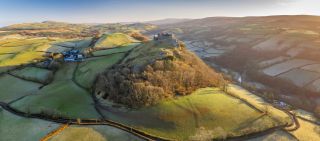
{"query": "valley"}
{"type": "Point", "coordinates": [136, 88]}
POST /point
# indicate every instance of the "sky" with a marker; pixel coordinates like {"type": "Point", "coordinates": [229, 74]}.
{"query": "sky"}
{"type": "Point", "coordinates": [110, 11]}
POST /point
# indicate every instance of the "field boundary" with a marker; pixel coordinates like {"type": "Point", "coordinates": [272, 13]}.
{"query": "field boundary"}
{"type": "Point", "coordinates": [55, 132]}
{"type": "Point", "coordinates": [138, 133]}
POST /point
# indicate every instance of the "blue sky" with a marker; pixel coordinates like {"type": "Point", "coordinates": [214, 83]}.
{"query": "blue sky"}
{"type": "Point", "coordinates": [106, 11]}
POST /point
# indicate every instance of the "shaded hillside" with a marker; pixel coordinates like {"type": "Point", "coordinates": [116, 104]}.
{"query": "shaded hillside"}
{"type": "Point", "coordinates": [154, 71]}
{"type": "Point", "coordinates": [281, 52]}
{"type": "Point", "coordinates": [167, 21]}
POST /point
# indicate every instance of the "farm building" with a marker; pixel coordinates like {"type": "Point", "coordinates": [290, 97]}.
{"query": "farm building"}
{"type": "Point", "coordinates": [73, 56]}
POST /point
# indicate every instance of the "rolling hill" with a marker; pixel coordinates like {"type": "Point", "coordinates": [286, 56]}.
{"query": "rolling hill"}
{"type": "Point", "coordinates": [280, 52]}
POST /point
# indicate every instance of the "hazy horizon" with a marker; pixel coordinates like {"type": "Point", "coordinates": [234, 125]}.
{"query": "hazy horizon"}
{"type": "Point", "coordinates": [114, 11]}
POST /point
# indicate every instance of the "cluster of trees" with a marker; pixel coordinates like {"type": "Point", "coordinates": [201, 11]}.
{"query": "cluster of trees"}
{"type": "Point", "coordinates": [139, 36]}
{"type": "Point", "coordinates": [158, 80]}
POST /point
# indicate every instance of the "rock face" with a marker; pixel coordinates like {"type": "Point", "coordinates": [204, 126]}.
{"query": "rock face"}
{"type": "Point", "coordinates": [155, 71]}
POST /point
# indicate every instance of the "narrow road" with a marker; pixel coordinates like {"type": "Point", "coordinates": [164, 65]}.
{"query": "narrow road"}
{"type": "Point", "coordinates": [61, 120]}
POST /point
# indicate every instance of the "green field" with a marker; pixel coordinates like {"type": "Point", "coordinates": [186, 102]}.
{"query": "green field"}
{"type": "Point", "coordinates": [88, 70]}
{"type": "Point", "coordinates": [207, 110]}
{"type": "Point", "coordinates": [65, 72]}
{"type": "Point", "coordinates": [34, 74]}
{"type": "Point", "coordinates": [94, 133]}
{"type": "Point", "coordinates": [5, 56]}
{"type": "Point", "coordinates": [4, 50]}
{"type": "Point", "coordinates": [56, 49]}
{"type": "Point", "coordinates": [12, 88]}
{"type": "Point", "coordinates": [275, 136]}
{"type": "Point", "coordinates": [115, 50]}
{"type": "Point", "coordinates": [60, 98]}
{"type": "Point", "coordinates": [15, 128]}
{"type": "Point", "coordinates": [114, 40]}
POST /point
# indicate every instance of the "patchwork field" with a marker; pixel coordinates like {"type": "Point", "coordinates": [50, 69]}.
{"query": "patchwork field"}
{"type": "Point", "coordinates": [273, 61]}
{"type": "Point", "coordinates": [207, 109]}
{"type": "Point", "coordinates": [60, 98]}
{"type": "Point", "coordinates": [115, 50]}
{"type": "Point", "coordinates": [300, 77]}
{"type": "Point", "coordinates": [13, 128]}
{"type": "Point", "coordinates": [94, 133]}
{"type": "Point", "coordinates": [314, 68]}
{"type": "Point", "coordinates": [12, 88]}
{"type": "Point", "coordinates": [286, 66]}
{"type": "Point", "coordinates": [34, 74]}
{"type": "Point", "coordinates": [88, 70]}
{"type": "Point", "coordinates": [314, 86]}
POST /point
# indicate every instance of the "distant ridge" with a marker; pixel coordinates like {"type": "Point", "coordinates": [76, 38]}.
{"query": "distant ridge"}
{"type": "Point", "coordinates": [167, 21]}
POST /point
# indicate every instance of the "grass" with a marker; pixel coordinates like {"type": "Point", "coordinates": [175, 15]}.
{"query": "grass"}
{"type": "Point", "coordinates": [5, 56]}
{"type": "Point", "coordinates": [34, 74]}
{"type": "Point", "coordinates": [114, 40]}
{"type": "Point", "coordinates": [307, 131]}
{"type": "Point", "coordinates": [28, 50]}
{"type": "Point", "coordinates": [115, 50]}
{"type": "Point", "coordinates": [13, 88]}
{"type": "Point", "coordinates": [94, 133]}
{"type": "Point", "coordinates": [56, 49]}
{"type": "Point", "coordinates": [13, 128]}
{"type": "Point", "coordinates": [4, 50]}
{"type": "Point", "coordinates": [63, 98]}
{"type": "Point", "coordinates": [60, 98]}
{"type": "Point", "coordinates": [275, 136]}
{"type": "Point", "coordinates": [258, 102]}
{"type": "Point", "coordinates": [88, 71]}
{"type": "Point", "coordinates": [22, 58]}
{"type": "Point", "coordinates": [209, 109]}
{"type": "Point", "coordinates": [148, 51]}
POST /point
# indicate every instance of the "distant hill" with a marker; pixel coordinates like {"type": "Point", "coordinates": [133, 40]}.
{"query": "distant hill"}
{"type": "Point", "coordinates": [71, 30]}
{"type": "Point", "coordinates": [167, 21]}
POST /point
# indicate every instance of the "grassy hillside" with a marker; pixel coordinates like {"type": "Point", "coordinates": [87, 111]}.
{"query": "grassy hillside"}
{"type": "Point", "coordinates": [207, 110]}
{"type": "Point", "coordinates": [13, 88]}
{"type": "Point", "coordinates": [245, 44]}
{"type": "Point", "coordinates": [154, 71]}
{"type": "Point", "coordinates": [94, 133]}
{"type": "Point", "coordinates": [60, 98]}
{"type": "Point", "coordinates": [23, 129]}
{"type": "Point", "coordinates": [89, 70]}
{"type": "Point", "coordinates": [114, 40]}
{"type": "Point", "coordinates": [34, 74]}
